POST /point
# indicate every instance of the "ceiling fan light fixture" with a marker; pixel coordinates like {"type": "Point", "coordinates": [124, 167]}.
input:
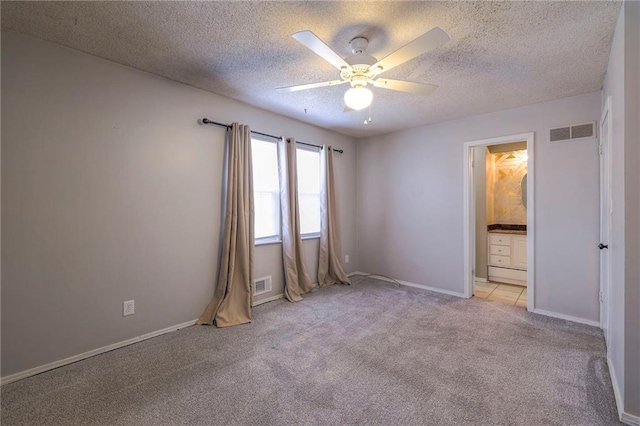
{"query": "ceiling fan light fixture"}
{"type": "Point", "coordinates": [358, 97]}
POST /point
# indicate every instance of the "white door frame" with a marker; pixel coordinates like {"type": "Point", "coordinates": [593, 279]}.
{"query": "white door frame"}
{"type": "Point", "coordinates": [469, 212]}
{"type": "Point", "coordinates": [605, 181]}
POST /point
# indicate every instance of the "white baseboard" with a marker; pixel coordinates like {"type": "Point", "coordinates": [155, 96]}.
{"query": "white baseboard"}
{"type": "Point", "coordinates": [70, 360]}
{"type": "Point", "coordinates": [630, 419]}
{"type": "Point", "coordinates": [625, 418]}
{"type": "Point", "coordinates": [481, 280]}
{"type": "Point", "coordinates": [616, 388]}
{"type": "Point", "coordinates": [453, 293]}
{"type": "Point", "coordinates": [408, 284]}
{"type": "Point", "coordinates": [268, 299]}
{"type": "Point", "coordinates": [567, 317]}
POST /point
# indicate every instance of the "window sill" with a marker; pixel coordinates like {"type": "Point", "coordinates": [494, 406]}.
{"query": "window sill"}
{"type": "Point", "coordinates": [267, 242]}
{"type": "Point", "coordinates": [279, 241]}
{"type": "Point", "coordinates": [310, 236]}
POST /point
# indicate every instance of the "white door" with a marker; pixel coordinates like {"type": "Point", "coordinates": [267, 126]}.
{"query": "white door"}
{"type": "Point", "coordinates": [605, 216]}
{"type": "Point", "coordinates": [519, 251]}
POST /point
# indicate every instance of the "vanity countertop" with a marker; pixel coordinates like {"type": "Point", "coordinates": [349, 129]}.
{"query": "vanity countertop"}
{"type": "Point", "coordinates": [507, 231]}
{"type": "Point", "coordinates": [499, 228]}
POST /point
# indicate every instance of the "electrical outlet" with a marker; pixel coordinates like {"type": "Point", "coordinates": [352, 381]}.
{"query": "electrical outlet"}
{"type": "Point", "coordinates": [346, 259]}
{"type": "Point", "coordinates": [128, 308]}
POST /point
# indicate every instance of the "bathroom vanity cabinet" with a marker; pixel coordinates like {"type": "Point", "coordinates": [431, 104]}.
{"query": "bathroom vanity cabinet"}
{"type": "Point", "coordinates": [507, 258]}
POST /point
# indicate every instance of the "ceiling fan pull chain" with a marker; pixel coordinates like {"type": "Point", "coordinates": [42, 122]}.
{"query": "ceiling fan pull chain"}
{"type": "Point", "coordinates": [368, 120]}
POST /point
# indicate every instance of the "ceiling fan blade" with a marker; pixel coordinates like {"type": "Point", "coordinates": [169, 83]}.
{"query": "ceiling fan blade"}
{"type": "Point", "coordinates": [312, 41]}
{"type": "Point", "coordinates": [311, 86]}
{"type": "Point", "coordinates": [405, 86]}
{"type": "Point", "coordinates": [426, 42]}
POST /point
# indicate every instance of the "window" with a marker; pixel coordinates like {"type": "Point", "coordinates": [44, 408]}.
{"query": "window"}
{"type": "Point", "coordinates": [266, 190]}
{"type": "Point", "coordinates": [309, 190]}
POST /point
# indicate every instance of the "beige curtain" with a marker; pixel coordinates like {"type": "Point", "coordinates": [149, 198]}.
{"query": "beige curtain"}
{"type": "Point", "coordinates": [232, 298]}
{"type": "Point", "coordinates": [297, 281]}
{"type": "Point", "coordinates": [329, 268]}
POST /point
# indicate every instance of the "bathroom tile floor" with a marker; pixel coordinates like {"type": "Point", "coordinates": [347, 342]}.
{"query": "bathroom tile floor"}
{"type": "Point", "coordinates": [505, 293]}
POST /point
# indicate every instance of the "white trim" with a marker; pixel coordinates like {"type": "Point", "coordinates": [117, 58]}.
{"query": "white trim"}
{"type": "Point", "coordinates": [350, 274]}
{"type": "Point", "coordinates": [629, 419]}
{"type": "Point", "coordinates": [75, 358]}
{"type": "Point", "coordinates": [268, 240]}
{"type": "Point", "coordinates": [616, 388]}
{"type": "Point", "coordinates": [625, 418]}
{"type": "Point", "coordinates": [268, 299]}
{"type": "Point", "coordinates": [310, 236]}
{"type": "Point", "coordinates": [530, 222]}
{"type": "Point", "coordinates": [469, 214]}
{"type": "Point", "coordinates": [567, 317]}
{"type": "Point", "coordinates": [605, 323]}
{"type": "Point", "coordinates": [408, 284]}
{"type": "Point", "coordinates": [429, 288]}
{"type": "Point", "coordinates": [481, 280]}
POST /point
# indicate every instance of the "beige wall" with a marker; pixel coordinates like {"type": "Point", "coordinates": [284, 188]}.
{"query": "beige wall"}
{"type": "Point", "coordinates": [111, 191]}
{"type": "Point", "coordinates": [410, 203]}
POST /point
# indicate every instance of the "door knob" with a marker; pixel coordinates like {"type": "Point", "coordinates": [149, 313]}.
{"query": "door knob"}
{"type": "Point", "coordinates": [603, 246]}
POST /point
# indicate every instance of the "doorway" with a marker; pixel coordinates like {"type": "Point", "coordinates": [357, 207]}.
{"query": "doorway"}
{"type": "Point", "coordinates": [513, 260]}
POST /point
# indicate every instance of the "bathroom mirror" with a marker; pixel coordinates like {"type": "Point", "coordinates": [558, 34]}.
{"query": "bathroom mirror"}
{"type": "Point", "coordinates": [523, 190]}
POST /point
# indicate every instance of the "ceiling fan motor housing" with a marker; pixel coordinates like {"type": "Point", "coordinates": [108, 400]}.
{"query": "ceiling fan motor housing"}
{"type": "Point", "coordinates": [360, 64]}
{"type": "Point", "coordinates": [360, 61]}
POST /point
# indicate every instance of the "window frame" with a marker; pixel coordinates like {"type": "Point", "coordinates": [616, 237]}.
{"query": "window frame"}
{"type": "Point", "coordinates": [277, 238]}
{"type": "Point", "coordinates": [312, 235]}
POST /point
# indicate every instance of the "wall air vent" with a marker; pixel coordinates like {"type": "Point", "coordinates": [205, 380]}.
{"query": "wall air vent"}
{"type": "Point", "coordinates": [578, 131]}
{"type": "Point", "coordinates": [583, 131]}
{"type": "Point", "coordinates": [262, 285]}
{"type": "Point", "coordinates": [560, 134]}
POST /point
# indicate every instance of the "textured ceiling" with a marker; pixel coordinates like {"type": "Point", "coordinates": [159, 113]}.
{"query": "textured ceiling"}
{"type": "Point", "coordinates": [501, 54]}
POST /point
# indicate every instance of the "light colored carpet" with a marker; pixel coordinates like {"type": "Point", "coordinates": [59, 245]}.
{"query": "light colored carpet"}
{"type": "Point", "coordinates": [369, 353]}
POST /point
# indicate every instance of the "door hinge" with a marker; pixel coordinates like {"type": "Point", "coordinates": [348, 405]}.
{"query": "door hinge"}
{"type": "Point", "coordinates": [600, 295]}
{"type": "Point", "coordinates": [600, 149]}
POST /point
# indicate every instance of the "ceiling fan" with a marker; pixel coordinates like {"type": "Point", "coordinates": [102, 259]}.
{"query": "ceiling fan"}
{"type": "Point", "coordinates": [362, 69]}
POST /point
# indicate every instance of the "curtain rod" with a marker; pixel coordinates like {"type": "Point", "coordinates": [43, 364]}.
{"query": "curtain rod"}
{"type": "Point", "coordinates": [228, 126]}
